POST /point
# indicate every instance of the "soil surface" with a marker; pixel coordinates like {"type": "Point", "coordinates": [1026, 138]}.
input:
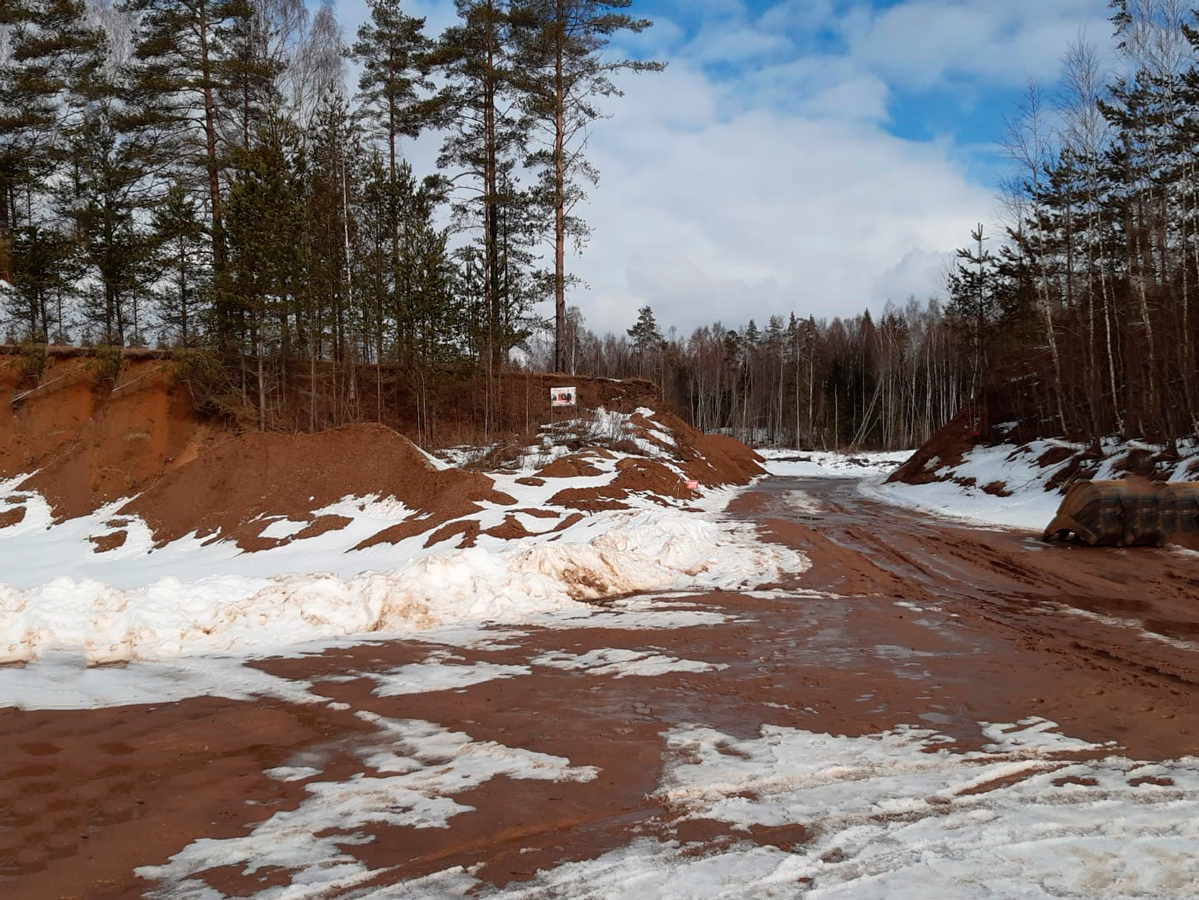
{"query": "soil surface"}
{"type": "Point", "coordinates": [902, 620]}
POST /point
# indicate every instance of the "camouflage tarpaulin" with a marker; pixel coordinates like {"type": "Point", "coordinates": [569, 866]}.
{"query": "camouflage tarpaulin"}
{"type": "Point", "coordinates": [1128, 514]}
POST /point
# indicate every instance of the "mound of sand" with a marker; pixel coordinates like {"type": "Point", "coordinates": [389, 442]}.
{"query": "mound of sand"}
{"type": "Point", "coordinates": [228, 489]}
{"type": "Point", "coordinates": [83, 440]}
{"type": "Point", "coordinates": [713, 460]}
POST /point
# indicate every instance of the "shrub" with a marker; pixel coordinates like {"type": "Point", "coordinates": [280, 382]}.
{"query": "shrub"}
{"type": "Point", "coordinates": [214, 393]}
{"type": "Point", "coordinates": [33, 360]}
{"type": "Point", "coordinates": [107, 364]}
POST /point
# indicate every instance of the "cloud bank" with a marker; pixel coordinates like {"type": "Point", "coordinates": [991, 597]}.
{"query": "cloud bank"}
{"type": "Point", "coordinates": [770, 168]}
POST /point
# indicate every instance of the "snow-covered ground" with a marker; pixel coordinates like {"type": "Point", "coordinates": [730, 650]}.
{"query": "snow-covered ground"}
{"type": "Point", "coordinates": [903, 816]}
{"type": "Point", "coordinates": [900, 815]}
{"type": "Point", "coordinates": [829, 464]}
{"type": "Point", "coordinates": [1030, 507]}
{"type": "Point", "coordinates": [192, 597]}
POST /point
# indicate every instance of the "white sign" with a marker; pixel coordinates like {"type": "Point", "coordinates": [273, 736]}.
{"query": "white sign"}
{"type": "Point", "coordinates": [564, 396]}
{"type": "Point", "coordinates": [693, 485]}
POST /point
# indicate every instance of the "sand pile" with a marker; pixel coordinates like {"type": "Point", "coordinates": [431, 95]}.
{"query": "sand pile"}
{"type": "Point", "coordinates": [667, 453]}
{"type": "Point", "coordinates": [137, 431]}
{"type": "Point", "coordinates": [83, 437]}
{"type": "Point", "coordinates": [235, 483]}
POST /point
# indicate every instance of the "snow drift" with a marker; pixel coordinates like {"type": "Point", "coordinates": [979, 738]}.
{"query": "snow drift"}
{"type": "Point", "coordinates": [636, 553]}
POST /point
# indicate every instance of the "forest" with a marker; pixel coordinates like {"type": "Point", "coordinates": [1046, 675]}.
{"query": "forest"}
{"type": "Point", "coordinates": [1086, 303]}
{"type": "Point", "coordinates": [201, 175]}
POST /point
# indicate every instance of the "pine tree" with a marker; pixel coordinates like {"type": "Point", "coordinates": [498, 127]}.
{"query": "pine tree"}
{"type": "Point", "coordinates": [393, 90]}
{"type": "Point", "coordinates": [567, 75]}
{"type": "Point", "coordinates": [51, 48]}
{"type": "Point", "coordinates": [112, 151]}
{"type": "Point", "coordinates": [246, 75]}
{"type": "Point", "coordinates": [180, 254]}
{"type": "Point", "coordinates": [178, 53]}
{"type": "Point", "coordinates": [478, 58]}
{"type": "Point", "coordinates": [265, 229]}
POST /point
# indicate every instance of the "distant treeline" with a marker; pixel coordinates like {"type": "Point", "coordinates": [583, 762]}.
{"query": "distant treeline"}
{"type": "Point", "coordinates": [861, 382]}
{"type": "Point", "coordinates": [1091, 301]}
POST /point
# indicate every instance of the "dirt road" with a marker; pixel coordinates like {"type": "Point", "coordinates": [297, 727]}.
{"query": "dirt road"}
{"type": "Point", "coordinates": [563, 747]}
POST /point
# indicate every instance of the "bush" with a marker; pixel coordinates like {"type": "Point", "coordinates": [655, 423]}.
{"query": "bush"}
{"type": "Point", "coordinates": [214, 393]}
{"type": "Point", "coordinates": [107, 364]}
{"type": "Point", "coordinates": [33, 360]}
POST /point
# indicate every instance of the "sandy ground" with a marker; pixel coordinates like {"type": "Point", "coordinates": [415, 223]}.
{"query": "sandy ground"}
{"type": "Point", "coordinates": [902, 621]}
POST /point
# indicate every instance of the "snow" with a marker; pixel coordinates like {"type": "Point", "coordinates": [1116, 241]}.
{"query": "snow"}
{"type": "Point", "coordinates": [612, 554]}
{"type": "Point", "coordinates": [195, 597]}
{"type": "Point", "coordinates": [62, 681]}
{"type": "Point", "coordinates": [828, 464]}
{"type": "Point", "coordinates": [282, 528]}
{"type": "Point", "coordinates": [437, 674]}
{"type": "Point", "coordinates": [414, 770]}
{"type": "Point", "coordinates": [622, 663]}
{"type": "Point", "coordinates": [1030, 507]}
{"type": "Point", "coordinates": [905, 814]}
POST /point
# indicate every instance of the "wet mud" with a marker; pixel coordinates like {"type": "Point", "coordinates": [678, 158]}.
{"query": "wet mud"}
{"type": "Point", "coordinates": [901, 620]}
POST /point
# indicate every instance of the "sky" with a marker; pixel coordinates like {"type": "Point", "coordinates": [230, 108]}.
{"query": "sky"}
{"type": "Point", "coordinates": [815, 156]}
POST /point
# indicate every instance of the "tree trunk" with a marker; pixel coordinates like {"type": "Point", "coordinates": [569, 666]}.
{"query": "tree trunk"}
{"type": "Point", "coordinates": [214, 184]}
{"type": "Point", "coordinates": [560, 197]}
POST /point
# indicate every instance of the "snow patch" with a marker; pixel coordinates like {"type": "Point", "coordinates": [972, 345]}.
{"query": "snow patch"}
{"type": "Point", "coordinates": [416, 769]}
{"type": "Point", "coordinates": [904, 815]}
{"type": "Point", "coordinates": [622, 663]}
{"type": "Point", "coordinates": [435, 674]}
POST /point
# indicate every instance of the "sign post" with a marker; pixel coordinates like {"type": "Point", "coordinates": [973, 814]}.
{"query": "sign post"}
{"type": "Point", "coordinates": [562, 398]}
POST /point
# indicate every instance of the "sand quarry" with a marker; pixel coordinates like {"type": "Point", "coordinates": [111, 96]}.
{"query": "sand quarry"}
{"type": "Point", "coordinates": [284, 666]}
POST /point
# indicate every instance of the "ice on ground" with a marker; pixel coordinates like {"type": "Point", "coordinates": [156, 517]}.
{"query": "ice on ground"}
{"type": "Point", "coordinates": [622, 663]}
{"type": "Point", "coordinates": [905, 815]}
{"type": "Point", "coordinates": [803, 503]}
{"type": "Point", "coordinates": [828, 464]}
{"type": "Point", "coordinates": [61, 681]}
{"type": "Point", "coordinates": [415, 770]}
{"type": "Point", "coordinates": [436, 674]}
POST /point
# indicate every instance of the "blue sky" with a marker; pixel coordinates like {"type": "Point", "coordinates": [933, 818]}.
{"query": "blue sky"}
{"type": "Point", "coordinates": [816, 156]}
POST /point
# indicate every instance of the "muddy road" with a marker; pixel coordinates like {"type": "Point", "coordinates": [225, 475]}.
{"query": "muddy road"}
{"type": "Point", "coordinates": [526, 750]}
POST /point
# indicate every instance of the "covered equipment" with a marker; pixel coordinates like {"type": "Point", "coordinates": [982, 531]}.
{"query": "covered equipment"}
{"type": "Point", "coordinates": [1128, 514]}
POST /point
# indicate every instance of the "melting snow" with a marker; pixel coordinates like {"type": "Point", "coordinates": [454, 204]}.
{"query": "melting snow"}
{"type": "Point", "coordinates": [409, 588]}
{"type": "Point", "coordinates": [416, 768]}
{"type": "Point", "coordinates": [1030, 507]}
{"type": "Point", "coordinates": [623, 663]}
{"type": "Point", "coordinates": [904, 815]}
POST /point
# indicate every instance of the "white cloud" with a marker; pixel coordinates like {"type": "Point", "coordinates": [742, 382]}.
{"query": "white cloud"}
{"type": "Point", "coordinates": [757, 174]}
{"type": "Point", "coordinates": [923, 44]}
{"type": "Point", "coordinates": [765, 212]}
